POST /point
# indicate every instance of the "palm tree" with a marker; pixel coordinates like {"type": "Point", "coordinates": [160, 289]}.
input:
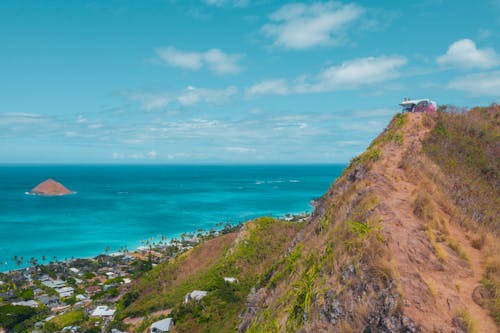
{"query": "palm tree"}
{"type": "Point", "coordinates": [33, 262]}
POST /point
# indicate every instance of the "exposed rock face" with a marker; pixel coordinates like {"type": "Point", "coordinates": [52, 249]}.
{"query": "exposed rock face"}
{"type": "Point", "coordinates": [50, 188]}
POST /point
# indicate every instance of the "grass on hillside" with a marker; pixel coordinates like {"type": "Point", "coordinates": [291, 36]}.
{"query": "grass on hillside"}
{"type": "Point", "coordinates": [66, 319]}
{"type": "Point", "coordinates": [466, 146]}
{"type": "Point", "coordinates": [261, 243]}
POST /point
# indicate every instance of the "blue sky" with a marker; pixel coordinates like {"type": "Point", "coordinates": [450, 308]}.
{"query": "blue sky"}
{"type": "Point", "coordinates": [230, 81]}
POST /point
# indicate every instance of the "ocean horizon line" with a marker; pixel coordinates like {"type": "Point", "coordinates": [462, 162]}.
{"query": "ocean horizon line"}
{"type": "Point", "coordinates": [9, 164]}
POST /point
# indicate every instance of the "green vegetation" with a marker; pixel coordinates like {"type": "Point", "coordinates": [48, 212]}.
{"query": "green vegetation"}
{"type": "Point", "coordinates": [66, 319]}
{"type": "Point", "coordinates": [26, 294]}
{"type": "Point", "coordinates": [341, 253]}
{"type": "Point", "coordinates": [491, 280]}
{"type": "Point", "coordinates": [13, 316]}
{"type": "Point", "coordinates": [394, 132]}
{"type": "Point", "coordinates": [247, 257]}
{"type": "Point", "coordinates": [470, 325]}
{"type": "Point", "coordinates": [465, 146]}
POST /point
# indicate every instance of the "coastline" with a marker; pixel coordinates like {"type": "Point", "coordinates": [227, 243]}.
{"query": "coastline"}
{"type": "Point", "coordinates": [152, 243]}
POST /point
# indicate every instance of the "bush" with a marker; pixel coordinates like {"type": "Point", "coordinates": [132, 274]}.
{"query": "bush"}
{"type": "Point", "coordinates": [13, 315]}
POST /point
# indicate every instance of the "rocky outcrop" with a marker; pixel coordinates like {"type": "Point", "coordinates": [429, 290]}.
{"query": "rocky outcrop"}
{"type": "Point", "coordinates": [50, 187]}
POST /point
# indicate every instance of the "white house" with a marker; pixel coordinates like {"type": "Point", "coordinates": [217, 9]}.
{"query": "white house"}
{"type": "Point", "coordinates": [195, 295]}
{"type": "Point", "coordinates": [162, 326]}
{"type": "Point", "coordinates": [230, 279]}
{"type": "Point", "coordinates": [65, 291]}
{"type": "Point", "coordinates": [54, 283]}
{"type": "Point", "coordinates": [30, 303]}
{"type": "Point", "coordinates": [103, 311]}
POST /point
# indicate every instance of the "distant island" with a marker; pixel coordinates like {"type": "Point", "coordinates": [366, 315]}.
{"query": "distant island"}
{"type": "Point", "coordinates": [50, 187]}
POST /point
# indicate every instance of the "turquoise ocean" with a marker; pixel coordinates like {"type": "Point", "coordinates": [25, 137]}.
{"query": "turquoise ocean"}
{"type": "Point", "coordinates": [120, 206]}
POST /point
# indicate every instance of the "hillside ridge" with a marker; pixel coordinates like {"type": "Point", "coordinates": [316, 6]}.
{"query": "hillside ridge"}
{"type": "Point", "coordinates": [401, 256]}
{"type": "Point", "coordinates": [405, 240]}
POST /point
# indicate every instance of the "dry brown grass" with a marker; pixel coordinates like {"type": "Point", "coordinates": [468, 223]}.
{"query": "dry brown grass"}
{"type": "Point", "coordinates": [478, 241]}
{"type": "Point", "coordinates": [492, 282]}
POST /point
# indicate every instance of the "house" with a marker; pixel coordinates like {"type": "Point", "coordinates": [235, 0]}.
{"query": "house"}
{"type": "Point", "coordinates": [195, 295]}
{"type": "Point", "coordinates": [8, 295]}
{"type": "Point", "coordinates": [60, 308]}
{"type": "Point", "coordinates": [54, 283]}
{"type": "Point", "coordinates": [418, 105]}
{"type": "Point", "coordinates": [50, 301]}
{"type": "Point", "coordinates": [44, 277]}
{"type": "Point", "coordinates": [65, 292]}
{"type": "Point", "coordinates": [230, 279]}
{"type": "Point", "coordinates": [30, 303]}
{"type": "Point", "coordinates": [103, 311]}
{"type": "Point", "coordinates": [162, 326]}
{"type": "Point", "coordinates": [92, 290]}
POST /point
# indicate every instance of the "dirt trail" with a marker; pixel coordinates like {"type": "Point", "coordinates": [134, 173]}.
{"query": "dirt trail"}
{"type": "Point", "coordinates": [435, 290]}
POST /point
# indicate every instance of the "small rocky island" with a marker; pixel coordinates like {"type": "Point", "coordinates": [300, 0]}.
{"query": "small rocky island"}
{"type": "Point", "coordinates": [50, 187]}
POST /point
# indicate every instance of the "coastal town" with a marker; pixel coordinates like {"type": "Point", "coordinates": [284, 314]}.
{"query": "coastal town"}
{"type": "Point", "coordinates": [86, 294]}
{"type": "Point", "coordinates": [82, 295]}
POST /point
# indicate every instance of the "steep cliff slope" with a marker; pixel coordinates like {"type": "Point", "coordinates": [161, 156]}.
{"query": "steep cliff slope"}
{"type": "Point", "coordinates": [406, 240]}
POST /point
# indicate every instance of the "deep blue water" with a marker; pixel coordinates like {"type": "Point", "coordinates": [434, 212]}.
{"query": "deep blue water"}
{"type": "Point", "coordinates": [121, 205]}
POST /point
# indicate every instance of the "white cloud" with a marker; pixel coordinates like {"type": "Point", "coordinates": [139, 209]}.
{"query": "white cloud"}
{"type": "Point", "coordinates": [190, 96]}
{"type": "Point", "coordinates": [176, 156]}
{"type": "Point", "coordinates": [81, 119]}
{"type": "Point", "coordinates": [216, 60]}
{"type": "Point", "coordinates": [481, 84]}
{"type": "Point", "coordinates": [183, 59]}
{"type": "Point", "coordinates": [301, 26]}
{"type": "Point", "coordinates": [70, 134]}
{"type": "Point", "coordinates": [268, 87]}
{"type": "Point", "coordinates": [232, 3]}
{"type": "Point", "coordinates": [239, 149]}
{"type": "Point", "coordinates": [95, 126]}
{"type": "Point", "coordinates": [464, 54]}
{"type": "Point", "coordinates": [149, 101]}
{"type": "Point", "coordinates": [222, 63]}
{"type": "Point", "coordinates": [349, 75]}
{"type": "Point", "coordinates": [134, 156]}
{"type": "Point", "coordinates": [357, 72]}
{"type": "Point", "coordinates": [18, 118]}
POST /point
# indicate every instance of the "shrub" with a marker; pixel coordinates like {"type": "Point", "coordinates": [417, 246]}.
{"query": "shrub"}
{"type": "Point", "coordinates": [13, 315]}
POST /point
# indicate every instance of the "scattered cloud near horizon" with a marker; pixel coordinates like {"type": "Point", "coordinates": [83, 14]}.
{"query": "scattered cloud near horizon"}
{"type": "Point", "coordinates": [232, 3]}
{"type": "Point", "coordinates": [214, 59]}
{"type": "Point", "coordinates": [190, 96]}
